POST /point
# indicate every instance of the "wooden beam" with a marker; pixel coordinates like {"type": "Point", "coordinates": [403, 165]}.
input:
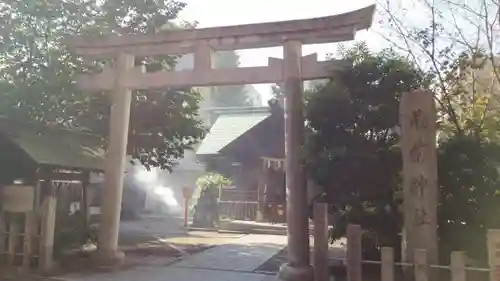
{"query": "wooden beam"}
{"type": "Point", "coordinates": [212, 77]}
{"type": "Point", "coordinates": [64, 177]}
{"type": "Point", "coordinates": [355, 20]}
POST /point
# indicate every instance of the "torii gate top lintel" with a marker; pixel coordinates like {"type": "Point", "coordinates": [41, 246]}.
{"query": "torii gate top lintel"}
{"type": "Point", "coordinates": [328, 29]}
{"type": "Point", "coordinates": [201, 42]}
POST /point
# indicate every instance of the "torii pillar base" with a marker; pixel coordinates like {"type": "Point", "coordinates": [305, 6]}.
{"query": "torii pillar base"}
{"type": "Point", "coordinates": [109, 258]}
{"type": "Point", "coordinates": [296, 273]}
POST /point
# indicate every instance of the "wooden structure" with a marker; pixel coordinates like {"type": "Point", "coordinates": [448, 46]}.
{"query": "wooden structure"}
{"type": "Point", "coordinates": [272, 191]}
{"type": "Point", "coordinates": [36, 165]}
{"type": "Point", "coordinates": [126, 76]}
{"type": "Point", "coordinates": [248, 147]}
{"type": "Point", "coordinates": [421, 267]}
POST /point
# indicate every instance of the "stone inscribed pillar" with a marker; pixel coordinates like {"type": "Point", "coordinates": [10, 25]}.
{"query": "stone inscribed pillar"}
{"type": "Point", "coordinates": [418, 145]}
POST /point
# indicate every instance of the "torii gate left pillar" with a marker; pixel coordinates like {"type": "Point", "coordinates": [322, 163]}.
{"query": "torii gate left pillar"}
{"type": "Point", "coordinates": [292, 70]}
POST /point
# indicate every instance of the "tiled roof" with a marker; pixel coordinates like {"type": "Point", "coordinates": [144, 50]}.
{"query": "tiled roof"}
{"type": "Point", "coordinates": [54, 147]}
{"type": "Point", "coordinates": [227, 128]}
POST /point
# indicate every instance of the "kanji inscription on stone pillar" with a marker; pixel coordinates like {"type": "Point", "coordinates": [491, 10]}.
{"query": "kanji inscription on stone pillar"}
{"type": "Point", "coordinates": [418, 144]}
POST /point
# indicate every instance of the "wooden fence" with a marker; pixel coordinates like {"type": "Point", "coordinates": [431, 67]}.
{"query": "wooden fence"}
{"type": "Point", "coordinates": [29, 237]}
{"type": "Point", "coordinates": [238, 204]}
{"type": "Point", "coordinates": [421, 270]}
{"type": "Point", "coordinates": [238, 210]}
{"type": "Point", "coordinates": [235, 194]}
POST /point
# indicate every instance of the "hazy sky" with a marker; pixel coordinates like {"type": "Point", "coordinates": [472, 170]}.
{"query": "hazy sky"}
{"type": "Point", "coordinates": [232, 12]}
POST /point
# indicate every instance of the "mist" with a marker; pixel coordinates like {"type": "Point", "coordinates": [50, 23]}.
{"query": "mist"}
{"type": "Point", "coordinates": [160, 196]}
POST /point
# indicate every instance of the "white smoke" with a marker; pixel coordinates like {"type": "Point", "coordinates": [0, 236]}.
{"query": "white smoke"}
{"type": "Point", "coordinates": [156, 191]}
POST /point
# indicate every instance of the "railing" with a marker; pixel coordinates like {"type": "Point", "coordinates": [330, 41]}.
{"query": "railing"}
{"type": "Point", "coordinates": [420, 268]}
{"type": "Point", "coordinates": [238, 210]}
{"type": "Point", "coordinates": [238, 204]}
{"type": "Point", "coordinates": [234, 194]}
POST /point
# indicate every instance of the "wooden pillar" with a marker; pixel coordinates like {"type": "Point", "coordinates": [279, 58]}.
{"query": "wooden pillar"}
{"type": "Point", "coordinates": [29, 231]}
{"type": "Point", "coordinates": [458, 261]}
{"type": "Point", "coordinates": [298, 266]}
{"type": "Point", "coordinates": [49, 206]}
{"type": "Point", "coordinates": [418, 142]}
{"type": "Point", "coordinates": [14, 230]}
{"type": "Point", "coordinates": [387, 269]}
{"type": "Point", "coordinates": [354, 257]}
{"type": "Point", "coordinates": [263, 180]}
{"type": "Point", "coordinates": [3, 235]}
{"type": "Point", "coordinates": [111, 198]}
{"type": "Point", "coordinates": [421, 265]}
{"type": "Point", "coordinates": [321, 272]}
{"type": "Point", "coordinates": [84, 203]}
{"type": "Point", "coordinates": [493, 244]}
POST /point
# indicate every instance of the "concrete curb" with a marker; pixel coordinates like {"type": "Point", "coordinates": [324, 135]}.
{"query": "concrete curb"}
{"type": "Point", "coordinates": [236, 231]}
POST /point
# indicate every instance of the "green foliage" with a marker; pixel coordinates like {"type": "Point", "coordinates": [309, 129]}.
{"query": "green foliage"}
{"type": "Point", "coordinates": [469, 194]}
{"type": "Point", "coordinates": [352, 131]}
{"type": "Point", "coordinates": [465, 76]}
{"type": "Point", "coordinates": [212, 182]}
{"type": "Point", "coordinates": [37, 73]}
{"type": "Point", "coordinates": [459, 62]}
{"type": "Point", "coordinates": [206, 198]}
{"type": "Point", "coordinates": [352, 125]}
{"type": "Point", "coordinates": [472, 98]}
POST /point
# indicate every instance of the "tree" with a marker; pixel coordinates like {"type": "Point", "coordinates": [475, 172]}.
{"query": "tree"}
{"type": "Point", "coordinates": [469, 195]}
{"type": "Point", "coordinates": [457, 43]}
{"type": "Point", "coordinates": [37, 73]}
{"type": "Point", "coordinates": [352, 130]}
{"type": "Point", "coordinates": [206, 199]}
{"type": "Point", "coordinates": [232, 95]}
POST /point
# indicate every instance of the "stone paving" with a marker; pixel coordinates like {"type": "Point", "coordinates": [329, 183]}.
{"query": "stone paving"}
{"type": "Point", "coordinates": [234, 261]}
{"type": "Point", "coordinates": [244, 254]}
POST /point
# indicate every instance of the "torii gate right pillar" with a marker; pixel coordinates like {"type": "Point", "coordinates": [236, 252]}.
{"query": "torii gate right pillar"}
{"type": "Point", "coordinates": [298, 266]}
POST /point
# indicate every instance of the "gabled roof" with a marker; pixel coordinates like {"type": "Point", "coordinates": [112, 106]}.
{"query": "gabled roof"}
{"type": "Point", "coordinates": [55, 147]}
{"type": "Point", "coordinates": [229, 127]}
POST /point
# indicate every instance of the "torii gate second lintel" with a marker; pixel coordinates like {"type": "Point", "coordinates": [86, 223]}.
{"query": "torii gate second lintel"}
{"type": "Point", "coordinates": [135, 78]}
{"type": "Point", "coordinates": [292, 70]}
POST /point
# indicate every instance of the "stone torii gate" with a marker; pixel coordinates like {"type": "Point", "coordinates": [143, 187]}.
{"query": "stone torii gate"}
{"type": "Point", "coordinates": [292, 70]}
